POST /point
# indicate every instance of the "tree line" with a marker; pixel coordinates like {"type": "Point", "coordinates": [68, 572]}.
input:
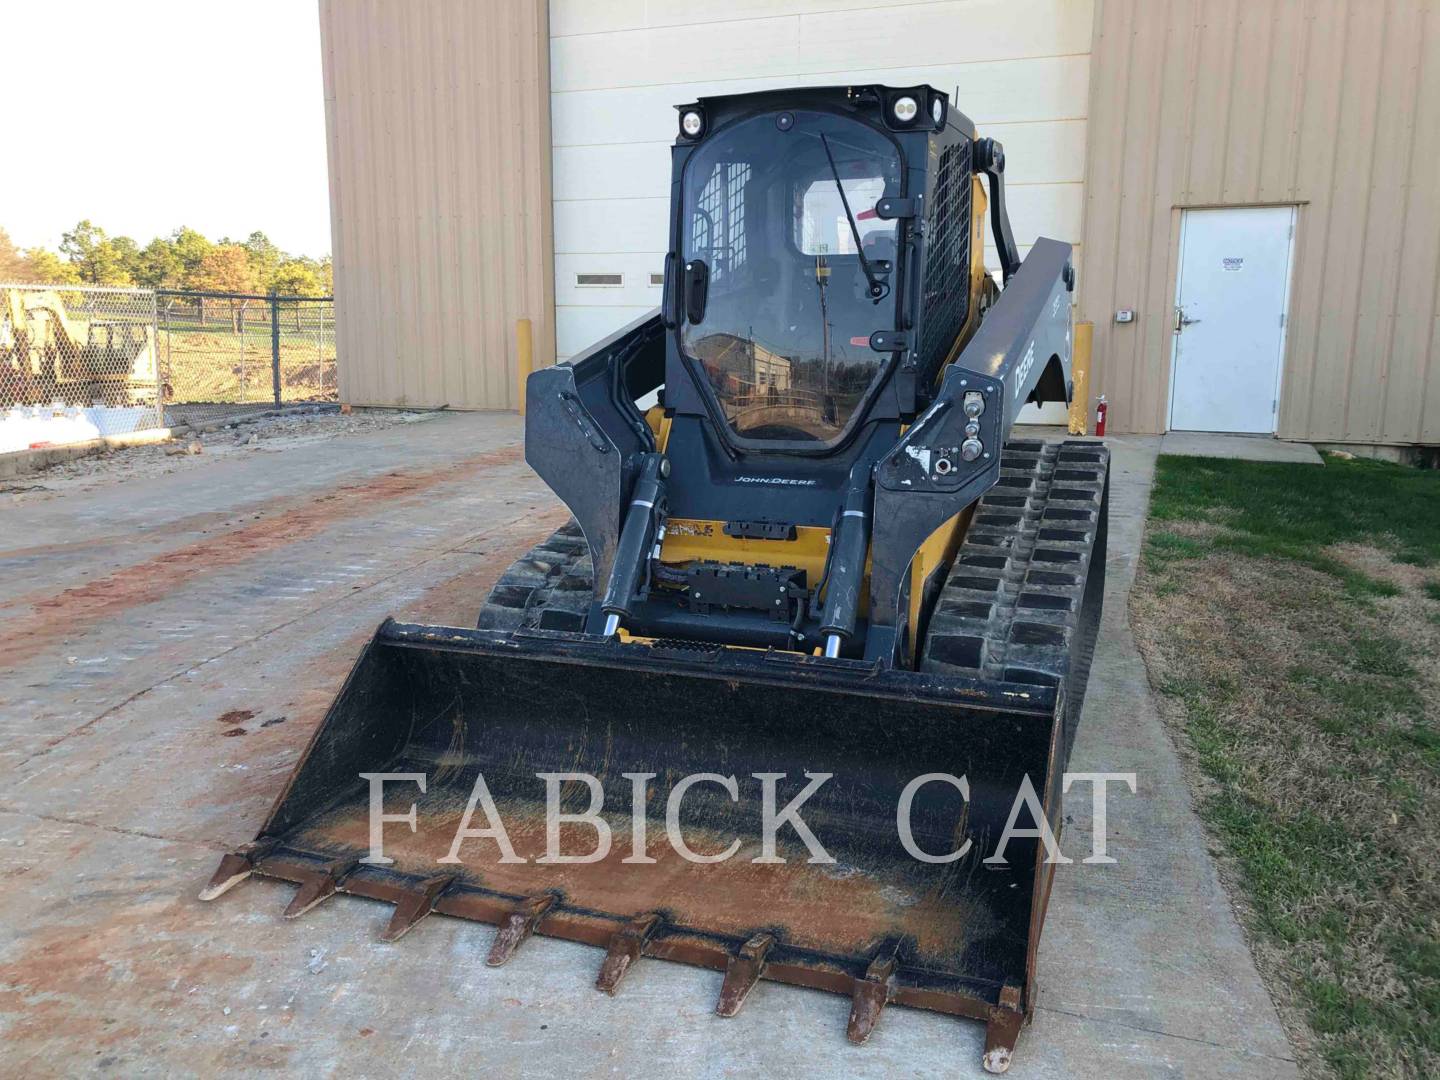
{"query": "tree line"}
{"type": "Point", "coordinates": [185, 259]}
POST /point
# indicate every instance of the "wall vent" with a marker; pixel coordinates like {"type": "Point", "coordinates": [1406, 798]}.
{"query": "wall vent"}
{"type": "Point", "coordinates": [611, 281]}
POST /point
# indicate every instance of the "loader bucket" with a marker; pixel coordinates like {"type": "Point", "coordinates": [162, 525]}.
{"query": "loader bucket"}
{"type": "Point", "coordinates": [874, 922]}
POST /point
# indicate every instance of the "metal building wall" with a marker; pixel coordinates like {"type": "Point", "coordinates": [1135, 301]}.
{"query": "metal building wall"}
{"type": "Point", "coordinates": [1018, 69]}
{"type": "Point", "coordinates": [1333, 105]}
{"type": "Point", "coordinates": [438, 120]}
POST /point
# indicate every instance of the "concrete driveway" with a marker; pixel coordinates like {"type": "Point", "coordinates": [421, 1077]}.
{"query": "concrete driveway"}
{"type": "Point", "coordinates": [146, 621]}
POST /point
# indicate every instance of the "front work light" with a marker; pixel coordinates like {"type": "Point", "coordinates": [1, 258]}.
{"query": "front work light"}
{"type": "Point", "coordinates": [905, 109]}
{"type": "Point", "coordinates": [692, 123]}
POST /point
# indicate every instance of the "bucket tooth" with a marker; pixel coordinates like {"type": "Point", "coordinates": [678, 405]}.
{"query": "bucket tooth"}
{"type": "Point", "coordinates": [869, 996]}
{"type": "Point", "coordinates": [626, 947]}
{"type": "Point", "coordinates": [518, 926]}
{"type": "Point", "coordinates": [319, 885]}
{"type": "Point", "coordinates": [742, 972]}
{"type": "Point", "coordinates": [1002, 1029]}
{"type": "Point", "coordinates": [236, 867]}
{"type": "Point", "coordinates": [415, 905]}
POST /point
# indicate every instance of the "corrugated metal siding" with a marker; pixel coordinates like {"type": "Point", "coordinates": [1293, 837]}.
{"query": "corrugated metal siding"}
{"type": "Point", "coordinates": [439, 131]}
{"type": "Point", "coordinates": [618, 68]}
{"type": "Point", "coordinates": [1331, 104]}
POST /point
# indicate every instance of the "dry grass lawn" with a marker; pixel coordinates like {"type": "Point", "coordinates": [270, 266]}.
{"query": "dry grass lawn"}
{"type": "Point", "coordinates": [214, 363]}
{"type": "Point", "coordinates": [1290, 618]}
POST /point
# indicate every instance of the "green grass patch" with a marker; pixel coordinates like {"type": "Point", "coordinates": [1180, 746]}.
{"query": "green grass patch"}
{"type": "Point", "coordinates": [1309, 694]}
{"type": "Point", "coordinates": [1294, 511]}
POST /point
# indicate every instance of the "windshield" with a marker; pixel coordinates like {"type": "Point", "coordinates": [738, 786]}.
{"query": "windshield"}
{"type": "Point", "coordinates": [784, 338]}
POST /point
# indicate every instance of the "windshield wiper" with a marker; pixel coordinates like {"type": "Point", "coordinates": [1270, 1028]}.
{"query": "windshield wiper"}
{"type": "Point", "coordinates": [877, 290]}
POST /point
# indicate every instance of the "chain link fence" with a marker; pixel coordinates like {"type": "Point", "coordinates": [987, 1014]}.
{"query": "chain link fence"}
{"type": "Point", "coordinates": [76, 363]}
{"type": "Point", "coordinates": [84, 362]}
{"type": "Point", "coordinates": [224, 354]}
{"type": "Point", "coordinates": [80, 362]}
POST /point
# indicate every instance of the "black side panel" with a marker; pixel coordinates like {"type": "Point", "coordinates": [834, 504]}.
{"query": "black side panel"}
{"type": "Point", "coordinates": [583, 434]}
{"type": "Point", "coordinates": [924, 481]}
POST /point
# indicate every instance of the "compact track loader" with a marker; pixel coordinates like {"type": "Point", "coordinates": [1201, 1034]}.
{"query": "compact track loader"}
{"type": "Point", "coordinates": [798, 683]}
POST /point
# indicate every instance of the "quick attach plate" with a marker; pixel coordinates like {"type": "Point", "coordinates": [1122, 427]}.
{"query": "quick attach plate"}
{"type": "Point", "coordinates": [749, 588]}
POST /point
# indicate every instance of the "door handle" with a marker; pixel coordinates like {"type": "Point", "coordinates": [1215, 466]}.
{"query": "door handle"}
{"type": "Point", "coordinates": [697, 278]}
{"type": "Point", "coordinates": [1182, 320]}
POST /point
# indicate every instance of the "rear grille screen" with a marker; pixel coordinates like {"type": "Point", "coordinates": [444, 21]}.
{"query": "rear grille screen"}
{"type": "Point", "coordinates": [947, 260]}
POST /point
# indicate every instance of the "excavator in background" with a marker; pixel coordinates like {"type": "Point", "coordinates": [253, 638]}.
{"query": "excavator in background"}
{"type": "Point", "coordinates": [48, 354]}
{"type": "Point", "coordinates": [817, 637]}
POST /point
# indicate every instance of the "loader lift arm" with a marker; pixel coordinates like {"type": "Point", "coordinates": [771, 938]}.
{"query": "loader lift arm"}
{"type": "Point", "coordinates": [1018, 345]}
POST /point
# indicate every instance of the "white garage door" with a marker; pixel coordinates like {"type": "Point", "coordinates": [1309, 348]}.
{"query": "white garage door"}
{"type": "Point", "coordinates": [617, 69]}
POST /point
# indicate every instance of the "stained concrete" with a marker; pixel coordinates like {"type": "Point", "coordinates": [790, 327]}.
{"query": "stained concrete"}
{"type": "Point", "coordinates": [1244, 447]}
{"type": "Point", "coordinates": [142, 612]}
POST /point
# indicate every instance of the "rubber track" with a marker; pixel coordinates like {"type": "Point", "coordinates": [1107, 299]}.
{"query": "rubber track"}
{"type": "Point", "coordinates": [1022, 599]}
{"type": "Point", "coordinates": [549, 588]}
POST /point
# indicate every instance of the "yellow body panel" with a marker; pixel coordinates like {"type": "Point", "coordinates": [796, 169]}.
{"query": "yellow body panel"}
{"type": "Point", "coordinates": [659, 425]}
{"type": "Point", "coordinates": [934, 557]}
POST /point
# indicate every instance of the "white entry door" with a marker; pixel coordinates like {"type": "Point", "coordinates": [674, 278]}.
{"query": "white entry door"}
{"type": "Point", "coordinates": [1230, 304]}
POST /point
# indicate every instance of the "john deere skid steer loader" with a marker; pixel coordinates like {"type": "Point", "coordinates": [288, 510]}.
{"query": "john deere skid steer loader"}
{"type": "Point", "coordinates": [791, 696]}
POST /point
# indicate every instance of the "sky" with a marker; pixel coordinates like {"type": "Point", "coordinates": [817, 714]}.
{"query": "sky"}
{"type": "Point", "coordinates": [146, 115]}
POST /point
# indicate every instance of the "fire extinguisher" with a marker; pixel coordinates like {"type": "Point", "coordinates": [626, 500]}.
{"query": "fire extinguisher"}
{"type": "Point", "coordinates": [1100, 411]}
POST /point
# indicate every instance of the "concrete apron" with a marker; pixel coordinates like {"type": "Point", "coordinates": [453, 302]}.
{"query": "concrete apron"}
{"type": "Point", "coordinates": [149, 617]}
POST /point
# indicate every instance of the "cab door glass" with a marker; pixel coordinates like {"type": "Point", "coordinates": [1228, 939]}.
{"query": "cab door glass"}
{"type": "Point", "coordinates": [783, 335]}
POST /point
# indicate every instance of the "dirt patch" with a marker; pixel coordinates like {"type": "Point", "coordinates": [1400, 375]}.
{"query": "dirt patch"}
{"type": "Point", "coordinates": [454, 601]}
{"type": "Point", "coordinates": [1377, 564]}
{"type": "Point", "coordinates": [55, 617]}
{"type": "Point", "coordinates": [99, 991]}
{"type": "Point", "coordinates": [1309, 718]}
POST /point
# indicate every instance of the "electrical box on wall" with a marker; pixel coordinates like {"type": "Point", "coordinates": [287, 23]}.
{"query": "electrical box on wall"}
{"type": "Point", "coordinates": [1124, 315]}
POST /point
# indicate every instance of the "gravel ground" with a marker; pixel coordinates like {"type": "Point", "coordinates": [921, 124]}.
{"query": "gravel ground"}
{"type": "Point", "coordinates": [262, 435]}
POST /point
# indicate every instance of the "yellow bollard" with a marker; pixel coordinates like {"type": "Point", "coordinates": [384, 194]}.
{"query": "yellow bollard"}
{"type": "Point", "coordinates": [1080, 376]}
{"type": "Point", "coordinates": [525, 356]}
